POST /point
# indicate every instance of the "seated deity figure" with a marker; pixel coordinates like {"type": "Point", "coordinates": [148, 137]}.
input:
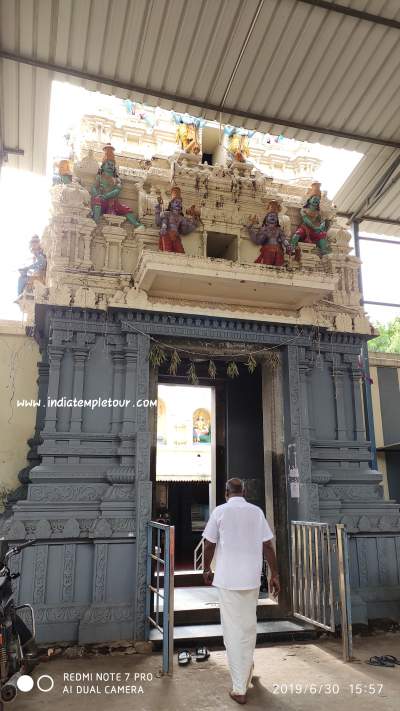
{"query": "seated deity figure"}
{"type": "Point", "coordinates": [187, 132]}
{"type": "Point", "coordinates": [36, 270]}
{"type": "Point", "coordinates": [64, 172]}
{"type": "Point", "coordinates": [313, 228]}
{"type": "Point", "coordinates": [238, 143]}
{"type": "Point", "coordinates": [173, 223]}
{"type": "Point", "coordinates": [106, 190]}
{"type": "Point", "coordinates": [271, 237]}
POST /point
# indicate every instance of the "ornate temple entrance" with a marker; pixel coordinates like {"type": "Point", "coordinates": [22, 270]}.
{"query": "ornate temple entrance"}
{"type": "Point", "coordinates": [221, 427]}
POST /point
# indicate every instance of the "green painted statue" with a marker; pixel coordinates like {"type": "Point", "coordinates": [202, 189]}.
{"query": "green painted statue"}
{"type": "Point", "coordinates": [313, 228]}
{"type": "Point", "coordinates": [106, 190]}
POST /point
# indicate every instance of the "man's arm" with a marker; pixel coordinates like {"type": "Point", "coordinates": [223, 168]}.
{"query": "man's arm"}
{"type": "Point", "coordinates": [209, 549]}
{"type": "Point", "coordinates": [270, 557]}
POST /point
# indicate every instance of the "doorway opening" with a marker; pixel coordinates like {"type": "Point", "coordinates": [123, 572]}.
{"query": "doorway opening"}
{"type": "Point", "coordinates": [185, 464]}
{"type": "Point", "coordinates": [233, 424]}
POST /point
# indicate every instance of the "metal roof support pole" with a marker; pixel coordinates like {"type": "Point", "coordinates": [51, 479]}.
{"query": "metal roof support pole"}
{"type": "Point", "coordinates": [355, 226]}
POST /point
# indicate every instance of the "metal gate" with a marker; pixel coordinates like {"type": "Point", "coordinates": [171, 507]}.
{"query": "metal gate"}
{"type": "Point", "coordinates": [320, 581]}
{"type": "Point", "coordinates": [160, 564]}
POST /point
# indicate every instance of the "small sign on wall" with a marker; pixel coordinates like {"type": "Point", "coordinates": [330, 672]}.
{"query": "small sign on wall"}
{"type": "Point", "coordinates": [294, 479]}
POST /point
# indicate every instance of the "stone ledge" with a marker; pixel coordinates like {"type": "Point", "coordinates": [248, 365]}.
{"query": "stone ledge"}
{"type": "Point", "coordinates": [160, 274]}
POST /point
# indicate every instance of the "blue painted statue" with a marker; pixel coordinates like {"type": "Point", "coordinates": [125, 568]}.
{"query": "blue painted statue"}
{"type": "Point", "coordinates": [36, 270]}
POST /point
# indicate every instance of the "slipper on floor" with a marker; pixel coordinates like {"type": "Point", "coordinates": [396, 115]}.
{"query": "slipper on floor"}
{"type": "Point", "coordinates": [202, 654]}
{"type": "Point", "coordinates": [391, 658]}
{"type": "Point", "coordinates": [379, 662]}
{"type": "Point", "coordinates": [184, 657]}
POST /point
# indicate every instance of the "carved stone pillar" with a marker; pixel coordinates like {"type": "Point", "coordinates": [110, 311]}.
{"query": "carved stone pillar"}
{"type": "Point", "coordinates": [55, 357]}
{"type": "Point", "coordinates": [80, 357]}
{"type": "Point", "coordinates": [43, 386]}
{"type": "Point", "coordinates": [114, 235]}
{"type": "Point", "coordinates": [128, 426]}
{"type": "Point", "coordinates": [341, 430]}
{"type": "Point", "coordinates": [304, 371]}
{"type": "Point", "coordinates": [129, 414]}
{"type": "Point", "coordinates": [86, 262]}
{"type": "Point", "coordinates": [118, 361]}
{"type": "Point", "coordinates": [306, 507]}
{"type": "Point", "coordinates": [359, 423]}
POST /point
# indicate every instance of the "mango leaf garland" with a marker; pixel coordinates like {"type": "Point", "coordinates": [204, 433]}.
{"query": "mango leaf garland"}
{"type": "Point", "coordinates": [251, 364]}
{"type": "Point", "coordinates": [212, 369]}
{"type": "Point", "coordinates": [157, 355]}
{"type": "Point", "coordinates": [174, 363]}
{"type": "Point", "coordinates": [232, 370]}
{"type": "Point", "coordinates": [191, 373]}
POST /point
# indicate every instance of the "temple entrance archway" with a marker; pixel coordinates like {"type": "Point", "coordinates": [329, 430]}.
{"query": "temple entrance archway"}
{"type": "Point", "coordinates": [236, 426]}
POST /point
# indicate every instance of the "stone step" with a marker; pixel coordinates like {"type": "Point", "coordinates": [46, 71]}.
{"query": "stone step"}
{"type": "Point", "coordinates": [183, 578]}
{"type": "Point", "coordinates": [210, 614]}
{"type": "Point", "coordinates": [211, 634]}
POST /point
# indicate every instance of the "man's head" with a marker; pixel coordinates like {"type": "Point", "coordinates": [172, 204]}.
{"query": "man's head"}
{"type": "Point", "coordinates": [234, 487]}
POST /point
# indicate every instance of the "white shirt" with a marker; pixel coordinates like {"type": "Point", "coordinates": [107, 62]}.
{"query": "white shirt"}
{"type": "Point", "coordinates": [239, 530]}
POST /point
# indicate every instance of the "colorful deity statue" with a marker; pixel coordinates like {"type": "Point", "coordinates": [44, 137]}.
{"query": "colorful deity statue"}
{"type": "Point", "coordinates": [271, 237]}
{"type": "Point", "coordinates": [173, 223]}
{"type": "Point", "coordinates": [64, 172]}
{"type": "Point", "coordinates": [106, 190]}
{"type": "Point", "coordinates": [313, 228]}
{"type": "Point", "coordinates": [238, 143]}
{"type": "Point", "coordinates": [36, 270]}
{"type": "Point", "coordinates": [187, 132]}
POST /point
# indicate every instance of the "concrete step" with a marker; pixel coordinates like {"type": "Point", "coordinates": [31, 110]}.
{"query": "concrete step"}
{"type": "Point", "coordinates": [211, 634]}
{"type": "Point", "coordinates": [183, 578]}
{"type": "Point", "coordinates": [210, 614]}
{"type": "Point", "coordinates": [200, 605]}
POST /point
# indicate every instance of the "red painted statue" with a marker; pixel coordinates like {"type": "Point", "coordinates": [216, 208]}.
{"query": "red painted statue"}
{"type": "Point", "coordinates": [173, 223]}
{"type": "Point", "coordinates": [271, 237]}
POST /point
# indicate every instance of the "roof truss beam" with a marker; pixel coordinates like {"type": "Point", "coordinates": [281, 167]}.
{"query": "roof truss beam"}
{"type": "Point", "coordinates": [369, 218]}
{"type": "Point", "coordinates": [381, 187]}
{"type": "Point", "coordinates": [353, 12]}
{"type": "Point", "coordinates": [190, 101]}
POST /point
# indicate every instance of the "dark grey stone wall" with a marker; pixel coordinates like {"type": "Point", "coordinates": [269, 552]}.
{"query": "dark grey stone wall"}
{"type": "Point", "coordinates": [389, 394]}
{"type": "Point", "coordinates": [88, 500]}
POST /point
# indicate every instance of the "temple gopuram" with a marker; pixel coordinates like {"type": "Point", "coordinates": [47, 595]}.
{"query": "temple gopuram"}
{"type": "Point", "coordinates": [182, 253]}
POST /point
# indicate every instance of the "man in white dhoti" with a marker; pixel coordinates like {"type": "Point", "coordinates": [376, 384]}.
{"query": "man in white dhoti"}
{"type": "Point", "coordinates": [239, 535]}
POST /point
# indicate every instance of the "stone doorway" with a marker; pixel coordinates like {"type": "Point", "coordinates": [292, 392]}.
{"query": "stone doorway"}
{"type": "Point", "coordinates": [248, 443]}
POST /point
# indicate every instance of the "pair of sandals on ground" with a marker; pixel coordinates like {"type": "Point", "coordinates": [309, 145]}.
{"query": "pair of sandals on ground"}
{"type": "Point", "coordinates": [185, 656]}
{"type": "Point", "coordinates": [387, 660]}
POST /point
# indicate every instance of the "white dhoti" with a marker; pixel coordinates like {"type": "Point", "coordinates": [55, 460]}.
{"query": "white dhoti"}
{"type": "Point", "coordinates": [239, 627]}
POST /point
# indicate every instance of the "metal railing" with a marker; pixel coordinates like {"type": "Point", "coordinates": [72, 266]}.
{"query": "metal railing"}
{"type": "Point", "coordinates": [198, 556]}
{"type": "Point", "coordinates": [312, 574]}
{"type": "Point", "coordinates": [342, 543]}
{"type": "Point", "coordinates": [314, 581]}
{"type": "Point", "coordinates": [161, 554]}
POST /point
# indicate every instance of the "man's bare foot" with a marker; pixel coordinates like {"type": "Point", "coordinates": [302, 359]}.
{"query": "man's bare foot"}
{"type": "Point", "coordinates": [239, 698]}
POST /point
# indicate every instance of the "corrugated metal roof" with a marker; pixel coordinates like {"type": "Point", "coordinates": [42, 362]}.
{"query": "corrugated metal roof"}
{"type": "Point", "coordinates": [303, 64]}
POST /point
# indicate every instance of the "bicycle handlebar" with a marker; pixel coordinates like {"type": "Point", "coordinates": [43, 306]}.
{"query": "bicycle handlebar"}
{"type": "Point", "coordinates": [18, 549]}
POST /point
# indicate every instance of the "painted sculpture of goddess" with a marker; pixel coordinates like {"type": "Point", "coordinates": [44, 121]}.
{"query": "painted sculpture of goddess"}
{"type": "Point", "coordinates": [187, 132]}
{"type": "Point", "coordinates": [313, 228]}
{"type": "Point", "coordinates": [106, 190]}
{"type": "Point", "coordinates": [36, 270]}
{"type": "Point", "coordinates": [173, 223]}
{"type": "Point", "coordinates": [64, 172]}
{"type": "Point", "coordinates": [238, 143]}
{"type": "Point", "coordinates": [271, 237]}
